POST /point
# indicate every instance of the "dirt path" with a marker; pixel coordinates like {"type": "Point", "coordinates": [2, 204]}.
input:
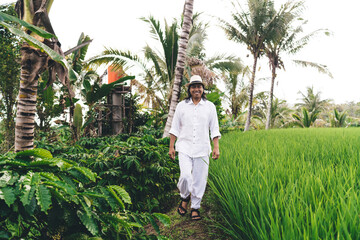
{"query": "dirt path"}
{"type": "Point", "coordinates": [182, 227]}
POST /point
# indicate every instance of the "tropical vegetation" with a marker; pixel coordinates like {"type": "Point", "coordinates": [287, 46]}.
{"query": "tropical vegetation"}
{"type": "Point", "coordinates": [67, 174]}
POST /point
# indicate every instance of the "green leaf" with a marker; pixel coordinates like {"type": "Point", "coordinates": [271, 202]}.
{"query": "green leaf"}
{"type": "Point", "coordinates": [35, 29]}
{"type": "Point", "coordinates": [37, 44]}
{"type": "Point", "coordinates": [123, 194]}
{"type": "Point", "coordinates": [43, 197]}
{"type": "Point", "coordinates": [153, 223]}
{"type": "Point", "coordinates": [43, 163]}
{"type": "Point", "coordinates": [164, 219]}
{"type": "Point", "coordinates": [37, 152]}
{"type": "Point", "coordinates": [8, 178]}
{"type": "Point", "coordinates": [92, 194]}
{"type": "Point", "coordinates": [62, 186]}
{"type": "Point", "coordinates": [88, 222]}
{"type": "Point", "coordinates": [87, 85]}
{"type": "Point", "coordinates": [29, 183]}
{"type": "Point", "coordinates": [49, 176]}
{"type": "Point", "coordinates": [86, 172]}
{"type": "Point", "coordinates": [116, 197]}
{"type": "Point", "coordinates": [8, 195]}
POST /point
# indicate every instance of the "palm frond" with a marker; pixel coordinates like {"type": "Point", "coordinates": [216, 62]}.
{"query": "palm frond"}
{"type": "Point", "coordinates": [320, 67]}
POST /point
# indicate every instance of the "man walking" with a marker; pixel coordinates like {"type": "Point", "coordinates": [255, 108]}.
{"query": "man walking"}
{"type": "Point", "coordinates": [193, 119]}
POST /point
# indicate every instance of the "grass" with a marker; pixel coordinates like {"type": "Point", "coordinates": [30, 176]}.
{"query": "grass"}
{"type": "Point", "coordinates": [289, 184]}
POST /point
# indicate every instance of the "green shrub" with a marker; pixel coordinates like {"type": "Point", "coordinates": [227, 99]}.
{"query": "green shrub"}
{"type": "Point", "coordinates": [139, 164]}
{"type": "Point", "coordinates": [42, 197]}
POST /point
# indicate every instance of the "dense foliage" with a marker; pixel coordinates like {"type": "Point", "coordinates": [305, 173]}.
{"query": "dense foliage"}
{"type": "Point", "coordinates": [42, 197]}
{"type": "Point", "coordinates": [289, 184]}
{"type": "Point", "coordinates": [9, 80]}
{"type": "Point", "coordinates": [139, 164]}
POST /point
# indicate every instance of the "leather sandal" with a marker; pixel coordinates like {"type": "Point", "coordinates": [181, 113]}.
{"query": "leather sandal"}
{"type": "Point", "coordinates": [195, 217]}
{"type": "Point", "coordinates": [181, 207]}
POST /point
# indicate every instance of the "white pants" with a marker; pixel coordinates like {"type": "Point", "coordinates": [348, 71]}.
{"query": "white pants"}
{"type": "Point", "coordinates": [193, 177]}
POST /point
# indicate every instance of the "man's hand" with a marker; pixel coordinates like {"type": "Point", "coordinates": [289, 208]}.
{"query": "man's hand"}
{"type": "Point", "coordinates": [171, 147]}
{"type": "Point", "coordinates": [172, 153]}
{"type": "Point", "coordinates": [215, 153]}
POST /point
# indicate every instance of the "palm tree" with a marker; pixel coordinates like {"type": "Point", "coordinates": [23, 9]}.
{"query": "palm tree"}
{"type": "Point", "coordinates": [33, 62]}
{"type": "Point", "coordinates": [286, 40]}
{"type": "Point", "coordinates": [338, 119]}
{"type": "Point", "coordinates": [252, 28]}
{"type": "Point", "coordinates": [280, 111]}
{"type": "Point", "coordinates": [306, 119]}
{"type": "Point", "coordinates": [180, 63]}
{"type": "Point", "coordinates": [41, 51]}
{"type": "Point", "coordinates": [312, 101]}
{"type": "Point", "coordinates": [233, 73]}
{"type": "Point", "coordinates": [160, 75]}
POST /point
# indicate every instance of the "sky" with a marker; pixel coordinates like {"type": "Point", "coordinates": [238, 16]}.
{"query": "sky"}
{"type": "Point", "coordinates": [117, 24]}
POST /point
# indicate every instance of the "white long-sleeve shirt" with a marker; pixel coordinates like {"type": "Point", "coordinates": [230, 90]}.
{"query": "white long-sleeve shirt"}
{"type": "Point", "coordinates": [191, 125]}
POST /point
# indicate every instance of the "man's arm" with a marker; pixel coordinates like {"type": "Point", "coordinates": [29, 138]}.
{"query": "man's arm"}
{"type": "Point", "coordinates": [216, 152]}
{"type": "Point", "coordinates": [171, 147]}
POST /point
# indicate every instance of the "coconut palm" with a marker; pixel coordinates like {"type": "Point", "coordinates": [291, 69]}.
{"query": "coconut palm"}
{"type": "Point", "coordinates": [312, 101]}
{"type": "Point", "coordinates": [180, 63]}
{"type": "Point", "coordinates": [252, 28]}
{"type": "Point", "coordinates": [280, 111]}
{"type": "Point", "coordinates": [233, 73]}
{"type": "Point", "coordinates": [286, 41]}
{"type": "Point", "coordinates": [160, 74]}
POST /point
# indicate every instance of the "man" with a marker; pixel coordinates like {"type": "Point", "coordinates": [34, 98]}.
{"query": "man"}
{"type": "Point", "coordinates": [193, 119]}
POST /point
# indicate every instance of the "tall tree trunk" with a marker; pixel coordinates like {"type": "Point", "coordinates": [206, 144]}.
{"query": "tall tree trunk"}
{"type": "Point", "coordinates": [180, 63]}
{"type": "Point", "coordinates": [252, 81]}
{"type": "Point", "coordinates": [268, 115]}
{"type": "Point", "coordinates": [33, 62]}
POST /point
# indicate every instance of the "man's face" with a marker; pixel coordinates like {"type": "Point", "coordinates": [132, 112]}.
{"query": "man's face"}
{"type": "Point", "coordinates": [196, 90]}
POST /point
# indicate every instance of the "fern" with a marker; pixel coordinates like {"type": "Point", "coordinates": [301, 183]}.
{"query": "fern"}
{"type": "Point", "coordinates": [43, 197]}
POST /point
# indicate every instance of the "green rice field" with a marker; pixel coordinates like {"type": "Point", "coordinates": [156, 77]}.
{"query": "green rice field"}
{"type": "Point", "coordinates": [289, 184]}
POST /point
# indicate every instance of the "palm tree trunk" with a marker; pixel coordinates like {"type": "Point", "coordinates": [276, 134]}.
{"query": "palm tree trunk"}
{"type": "Point", "coordinates": [180, 63]}
{"type": "Point", "coordinates": [268, 115]}
{"type": "Point", "coordinates": [32, 64]}
{"type": "Point", "coordinates": [252, 81]}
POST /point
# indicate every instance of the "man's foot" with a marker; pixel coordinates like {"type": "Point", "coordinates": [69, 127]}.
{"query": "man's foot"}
{"type": "Point", "coordinates": [195, 215]}
{"type": "Point", "coordinates": [183, 206]}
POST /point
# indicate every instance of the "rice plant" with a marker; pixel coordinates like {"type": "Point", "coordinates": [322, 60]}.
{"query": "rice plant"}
{"type": "Point", "coordinates": [289, 184]}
